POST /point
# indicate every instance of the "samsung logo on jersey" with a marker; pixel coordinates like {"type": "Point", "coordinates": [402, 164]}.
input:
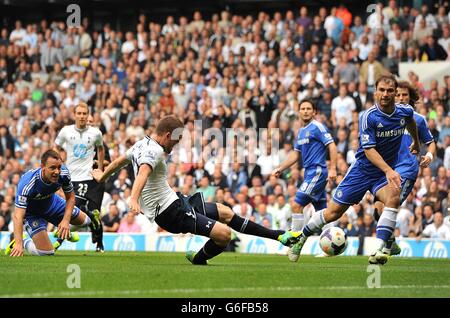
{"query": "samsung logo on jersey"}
{"type": "Point", "coordinates": [303, 141]}
{"type": "Point", "coordinates": [38, 197]}
{"type": "Point", "coordinates": [390, 133]}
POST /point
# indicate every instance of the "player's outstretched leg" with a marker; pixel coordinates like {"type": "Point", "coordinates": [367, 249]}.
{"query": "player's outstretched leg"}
{"type": "Point", "coordinates": [227, 216]}
{"type": "Point", "coordinates": [220, 236]}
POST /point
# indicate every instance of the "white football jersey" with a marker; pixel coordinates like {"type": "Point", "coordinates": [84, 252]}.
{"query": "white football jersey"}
{"type": "Point", "coordinates": [80, 147]}
{"type": "Point", "coordinates": [156, 195]}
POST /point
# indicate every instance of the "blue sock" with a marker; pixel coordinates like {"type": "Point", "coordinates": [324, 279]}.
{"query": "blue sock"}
{"type": "Point", "coordinates": [390, 241]}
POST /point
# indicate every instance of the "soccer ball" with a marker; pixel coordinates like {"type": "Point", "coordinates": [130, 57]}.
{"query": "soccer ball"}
{"type": "Point", "coordinates": [333, 241]}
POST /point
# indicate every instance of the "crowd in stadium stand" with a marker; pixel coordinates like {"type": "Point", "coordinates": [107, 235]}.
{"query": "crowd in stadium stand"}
{"type": "Point", "coordinates": [242, 72]}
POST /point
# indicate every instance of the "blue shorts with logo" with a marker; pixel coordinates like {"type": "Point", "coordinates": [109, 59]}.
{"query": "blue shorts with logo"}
{"type": "Point", "coordinates": [358, 180]}
{"type": "Point", "coordinates": [408, 170]}
{"type": "Point", "coordinates": [36, 221]}
{"type": "Point", "coordinates": [312, 189]}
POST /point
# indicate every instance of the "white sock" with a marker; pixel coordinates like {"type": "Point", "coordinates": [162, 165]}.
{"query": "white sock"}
{"type": "Point", "coordinates": [297, 221]}
{"type": "Point", "coordinates": [379, 245]}
{"type": "Point", "coordinates": [29, 245]}
{"type": "Point", "coordinates": [87, 221]}
{"type": "Point", "coordinates": [386, 224]}
{"type": "Point", "coordinates": [315, 223]}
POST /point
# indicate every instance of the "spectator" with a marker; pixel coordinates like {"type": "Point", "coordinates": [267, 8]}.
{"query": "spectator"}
{"type": "Point", "coordinates": [207, 190]}
{"type": "Point", "coordinates": [416, 223]}
{"type": "Point", "coordinates": [129, 224]}
{"type": "Point", "coordinates": [347, 227]}
{"type": "Point", "coordinates": [111, 221]}
{"type": "Point", "coordinates": [342, 107]}
{"type": "Point", "coordinates": [7, 143]}
{"type": "Point", "coordinates": [368, 227]}
{"type": "Point", "coordinates": [370, 71]}
{"type": "Point", "coordinates": [346, 71]}
{"type": "Point", "coordinates": [428, 215]}
{"type": "Point", "coordinates": [262, 217]}
{"type": "Point", "coordinates": [5, 216]}
{"type": "Point", "coordinates": [432, 50]}
{"type": "Point", "coordinates": [437, 229]}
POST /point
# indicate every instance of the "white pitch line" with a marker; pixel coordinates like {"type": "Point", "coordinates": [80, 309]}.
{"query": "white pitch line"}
{"type": "Point", "coordinates": [211, 290]}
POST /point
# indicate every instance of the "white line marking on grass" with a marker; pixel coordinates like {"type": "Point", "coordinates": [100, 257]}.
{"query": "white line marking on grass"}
{"type": "Point", "coordinates": [210, 290]}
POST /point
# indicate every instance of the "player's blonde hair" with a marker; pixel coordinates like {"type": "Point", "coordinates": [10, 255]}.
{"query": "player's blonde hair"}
{"type": "Point", "coordinates": [81, 104]}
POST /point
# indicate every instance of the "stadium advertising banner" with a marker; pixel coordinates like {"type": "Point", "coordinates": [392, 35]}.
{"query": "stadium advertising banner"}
{"type": "Point", "coordinates": [163, 242]}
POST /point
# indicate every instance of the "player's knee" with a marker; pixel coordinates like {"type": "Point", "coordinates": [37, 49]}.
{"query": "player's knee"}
{"type": "Point", "coordinates": [393, 201]}
{"type": "Point", "coordinates": [297, 208]}
{"type": "Point", "coordinates": [46, 252]}
{"type": "Point", "coordinates": [223, 236]}
{"type": "Point", "coordinates": [227, 235]}
{"type": "Point", "coordinates": [225, 213]}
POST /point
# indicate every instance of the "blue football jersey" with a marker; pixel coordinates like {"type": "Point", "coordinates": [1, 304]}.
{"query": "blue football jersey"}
{"type": "Point", "coordinates": [34, 195]}
{"type": "Point", "coordinates": [311, 142]}
{"type": "Point", "coordinates": [406, 160]}
{"type": "Point", "coordinates": [384, 132]}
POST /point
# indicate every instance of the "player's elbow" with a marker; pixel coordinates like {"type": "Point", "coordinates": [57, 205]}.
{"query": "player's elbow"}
{"type": "Point", "coordinates": [368, 152]}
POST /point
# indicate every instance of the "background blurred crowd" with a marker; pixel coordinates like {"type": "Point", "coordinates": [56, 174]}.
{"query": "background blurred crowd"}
{"type": "Point", "coordinates": [229, 71]}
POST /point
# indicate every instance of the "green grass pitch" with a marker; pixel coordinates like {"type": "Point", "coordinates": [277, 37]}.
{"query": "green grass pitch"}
{"type": "Point", "coordinates": [145, 274]}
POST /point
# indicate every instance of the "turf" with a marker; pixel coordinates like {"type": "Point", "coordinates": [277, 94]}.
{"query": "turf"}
{"type": "Point", "coordinates": [127, 274]}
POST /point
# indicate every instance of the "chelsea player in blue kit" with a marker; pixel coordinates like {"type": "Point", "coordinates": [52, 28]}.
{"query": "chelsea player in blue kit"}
{"type": "Point", "coordinates": [37, 203]}
{"type": "Point", "coordinates": [408, 165]}
{"type": "Point", "coordinates": [381, 130]}
{"type": "Point", "coordinates": [312, 142]}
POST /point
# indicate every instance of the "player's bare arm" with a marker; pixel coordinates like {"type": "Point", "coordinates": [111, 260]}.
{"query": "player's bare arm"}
{"type": "Point", "coordinates": [412, 129]}
{"type": "Point", "coordinates": [141, 179]}
{"type": "Point", "coordinates": [116, 165]}
{"type": "Point", "coordinates": [18, 216]}
{"type": "Point", "coordinates": [333, 161]}
{"type": "Point", "coordinates": [391, 175]}
{"type": "Point", "coordinates": [101, 157]}
{"type": "Point", "coordinates": [64, 225]}
{"type": "Point", "coordinates": [293, 157]}
{"type": "Point", "coordinates": [431, 151]}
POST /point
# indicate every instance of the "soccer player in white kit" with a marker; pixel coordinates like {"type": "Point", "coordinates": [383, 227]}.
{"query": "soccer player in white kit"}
{"type": "Point", "coordinates": [174, 212]}
{"type": "Point", "coordinates": [80, 142]}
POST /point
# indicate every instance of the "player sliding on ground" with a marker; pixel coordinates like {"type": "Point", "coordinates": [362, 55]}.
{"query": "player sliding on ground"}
{"type": "Point", "coordinates": [408, 165]}
{"type": "Point", "coordinates": [381, 129]}
{"type": "Point", "coordinates": [37, 203]}
{"type": "Point", "coordinates": [173, 212]}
